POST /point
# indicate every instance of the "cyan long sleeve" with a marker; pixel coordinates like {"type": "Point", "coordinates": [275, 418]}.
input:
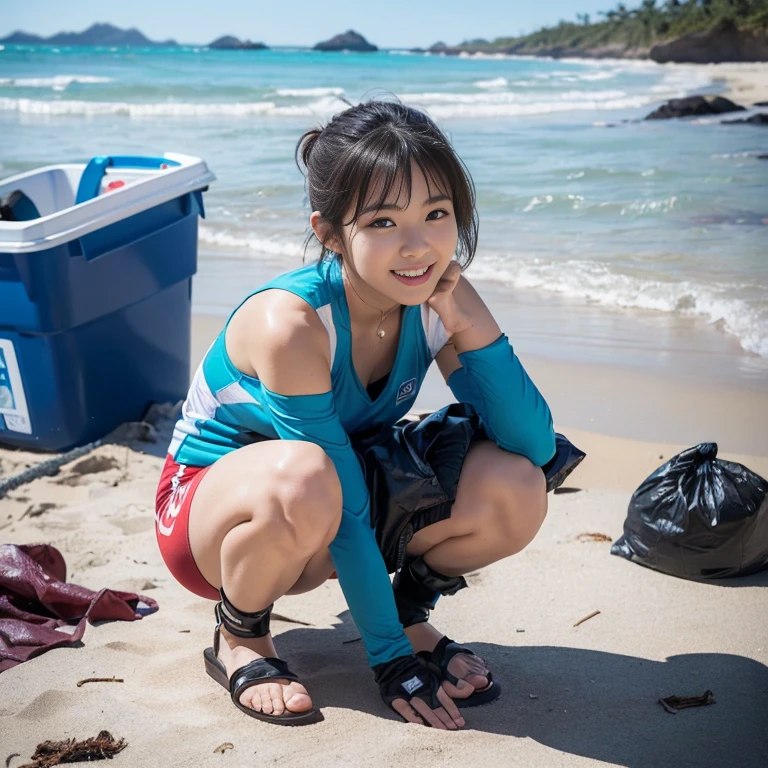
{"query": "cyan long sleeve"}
{"type": "Point", "coordinates": [356, 556]}
{"type": "Point", "coordinates": [514, 414]}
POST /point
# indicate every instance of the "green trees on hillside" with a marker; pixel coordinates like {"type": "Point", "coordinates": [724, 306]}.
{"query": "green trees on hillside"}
{"type": "Point", "coordinates": [646, 24]}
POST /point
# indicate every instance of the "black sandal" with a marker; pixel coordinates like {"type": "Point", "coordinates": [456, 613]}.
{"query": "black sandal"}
{"type": "Point", "coordinates": [441, 657]}
{"type": "Point", "coordinates": [251, 625]}
{"type": "Point", "coordinates": [416, 588]}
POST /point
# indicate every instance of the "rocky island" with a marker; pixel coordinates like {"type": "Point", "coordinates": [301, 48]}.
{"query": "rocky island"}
{"type": "Point", "coordinates": [347, 41]}
{"type": "Point", "coordinates": [231, 43]}
{"type": "Point", "coordinates": [96, 34]}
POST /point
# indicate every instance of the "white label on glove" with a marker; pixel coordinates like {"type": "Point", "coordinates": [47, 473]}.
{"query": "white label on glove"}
{"type": "Point", "coordinates": [413, 684]}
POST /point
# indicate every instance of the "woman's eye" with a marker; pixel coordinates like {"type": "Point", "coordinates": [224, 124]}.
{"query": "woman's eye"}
{"type": "Point", "coordinates": [384, 223]}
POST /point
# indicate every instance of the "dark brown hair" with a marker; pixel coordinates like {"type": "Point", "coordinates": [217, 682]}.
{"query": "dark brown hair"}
{"type": "Point", "coordinates": [373, 144]}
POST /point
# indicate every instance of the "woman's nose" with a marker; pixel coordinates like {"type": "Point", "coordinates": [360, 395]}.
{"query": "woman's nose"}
{"type": "Point", "coordinates": [415, 244]}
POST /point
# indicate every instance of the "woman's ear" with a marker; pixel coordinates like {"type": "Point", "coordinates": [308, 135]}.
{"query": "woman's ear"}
{"type": "Point", "coordinates": [322, 230]}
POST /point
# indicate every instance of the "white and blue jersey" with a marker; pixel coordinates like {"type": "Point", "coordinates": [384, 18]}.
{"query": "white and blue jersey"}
{"type": "Point", "coordinates": [225, 408]}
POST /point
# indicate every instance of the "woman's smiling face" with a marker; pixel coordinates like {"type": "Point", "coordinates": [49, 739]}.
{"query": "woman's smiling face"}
{"type": "Point", "coordinates": [401, 251]}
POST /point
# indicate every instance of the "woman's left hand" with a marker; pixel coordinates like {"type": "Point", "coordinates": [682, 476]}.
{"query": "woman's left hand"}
{"type": "Point", "coordinates": [443, 301]}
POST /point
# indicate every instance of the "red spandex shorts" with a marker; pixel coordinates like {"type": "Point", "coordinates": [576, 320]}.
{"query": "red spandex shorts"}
{"type": "Point", "coordinates": [175, 492]}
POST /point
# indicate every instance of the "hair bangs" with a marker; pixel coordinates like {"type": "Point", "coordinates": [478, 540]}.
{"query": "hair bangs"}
{"type": "Point", "coordinates": [387, 166]}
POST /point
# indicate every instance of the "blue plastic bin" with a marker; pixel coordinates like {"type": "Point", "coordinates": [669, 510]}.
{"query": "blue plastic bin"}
{"type": "Point", "coordinates": [95, 296]}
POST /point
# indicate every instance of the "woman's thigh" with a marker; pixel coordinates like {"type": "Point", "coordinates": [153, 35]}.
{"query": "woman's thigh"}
{"type": "Point", "coordinates": [488, 476]}
{"type": "Point", "coordinates": [279, 485]}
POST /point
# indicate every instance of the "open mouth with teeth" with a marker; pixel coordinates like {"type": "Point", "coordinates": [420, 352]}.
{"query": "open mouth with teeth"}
{"type": "Point", "coordinates": [413, 276]}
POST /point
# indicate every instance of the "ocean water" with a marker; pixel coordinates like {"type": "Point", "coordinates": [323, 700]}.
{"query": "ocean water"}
{"type": "Point", "coordinates": [660, 227]}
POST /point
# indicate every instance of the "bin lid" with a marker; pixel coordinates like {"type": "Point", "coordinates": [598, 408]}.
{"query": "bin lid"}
{"type": "Point", "coordinates": [187, 174]}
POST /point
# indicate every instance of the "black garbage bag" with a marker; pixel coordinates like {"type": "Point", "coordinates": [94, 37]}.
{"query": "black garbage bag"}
{"type": "Point", "coordinates": [698, 517]}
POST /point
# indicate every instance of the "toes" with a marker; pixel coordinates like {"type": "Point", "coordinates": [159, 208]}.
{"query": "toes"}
{"type": "Point", "coordinates": [297, 700]}
{"type": "Point", "coordinates": [461, 691]}
{"type": "Point", "coordinates": [276, 698]}
{"type": "Point", "coordinates": [266, 700]}
{"type": "Point", "coordinates": [478, 682]}
{"type": "Point", "coordinates": [471, 670]}
{"type": "Point", "coordinates": [278, 706]}
{"type": "Point", "coordinates": [250, 698]}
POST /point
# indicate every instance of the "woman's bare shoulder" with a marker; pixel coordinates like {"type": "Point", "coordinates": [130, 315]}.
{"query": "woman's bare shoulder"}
{"type": "Point", "coordinates": [278, 337]}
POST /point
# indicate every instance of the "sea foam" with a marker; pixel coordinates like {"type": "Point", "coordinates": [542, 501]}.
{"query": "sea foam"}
{"type": "Point", "coordinates": [597, 283]}
{"type": "Point", "coordinates": [57, 83]}
{"type": "Point", "coordinates": [246, 243]}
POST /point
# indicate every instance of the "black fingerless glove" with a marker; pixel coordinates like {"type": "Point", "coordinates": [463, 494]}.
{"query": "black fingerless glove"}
{"type": "Point", "coordinates": [408, 677]}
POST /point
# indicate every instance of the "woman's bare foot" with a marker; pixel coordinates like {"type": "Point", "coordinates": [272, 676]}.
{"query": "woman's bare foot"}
{"type": "Point", "coordinates": [471, 670]}
{"type": "Point", "coordinates": [273, 697]}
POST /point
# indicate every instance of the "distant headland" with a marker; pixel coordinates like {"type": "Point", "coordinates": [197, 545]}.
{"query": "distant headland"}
{"type": "Point", "coordinates": [692, 31]}
{"type": "Point", "coordinates": [96, 34]}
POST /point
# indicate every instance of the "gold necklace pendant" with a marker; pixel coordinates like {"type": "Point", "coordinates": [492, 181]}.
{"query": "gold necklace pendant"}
{"type": "Point", "coordinates": [380, 332]}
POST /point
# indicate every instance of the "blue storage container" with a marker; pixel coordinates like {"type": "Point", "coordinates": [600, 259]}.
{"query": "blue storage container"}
{"type": "Point", "coordinates": [95, 296]}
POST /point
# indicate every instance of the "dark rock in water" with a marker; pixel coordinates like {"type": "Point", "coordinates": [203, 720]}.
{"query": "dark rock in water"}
{"type": "Point", "coordinates": [761, 118]}
{"type": "Point", "coordinates": [693, 106]}
{"type": "Point", "coordinates": [231, 43]}
{"type": "Point", "coordinates": [720, 104]}
{"type": "Point", "coordinates": [724, 42]}
{"type": "Point", "coordinates": [762, 157]}
{"type": "Point", "coordinates": [760, 104]}
{"type": "Point", "coordinates": [96, 34]}
{"type": "Point", "coordinates": [348, 41]}
{"type": "Point", "coordinates": [441, 49]}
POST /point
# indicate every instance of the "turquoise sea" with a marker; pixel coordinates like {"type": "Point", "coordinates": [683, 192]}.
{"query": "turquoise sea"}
{"type": "Point", "coordinates": [644, 238]}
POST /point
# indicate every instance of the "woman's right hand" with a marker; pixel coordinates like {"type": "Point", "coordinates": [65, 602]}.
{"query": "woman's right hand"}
{"type": "Point", "coordinates": [413, 690]}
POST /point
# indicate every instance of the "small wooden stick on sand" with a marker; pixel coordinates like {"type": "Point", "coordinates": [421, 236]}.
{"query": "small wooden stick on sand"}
{"type": "Point", "coordinates": [586, 618]}
{"type": "Point", "coordinates": [100, 680]}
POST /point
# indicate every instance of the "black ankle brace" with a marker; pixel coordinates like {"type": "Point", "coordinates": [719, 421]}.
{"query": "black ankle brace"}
{"type": "Point", "coordinates": [417, 587]}
{"type": "Point", "coordinates": [242, 624]}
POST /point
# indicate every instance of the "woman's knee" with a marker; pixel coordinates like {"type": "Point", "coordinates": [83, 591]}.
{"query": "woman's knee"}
{"type": "Point", "coordinates": [290, 495]}
{"type": "Point", "coordinates": [307, 490]}
{"type": "Point", "coordinates": [517, 496]}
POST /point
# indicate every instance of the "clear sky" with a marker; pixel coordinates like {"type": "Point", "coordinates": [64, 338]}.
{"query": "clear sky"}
{"type": "Point", "coordinates": [386, 23]}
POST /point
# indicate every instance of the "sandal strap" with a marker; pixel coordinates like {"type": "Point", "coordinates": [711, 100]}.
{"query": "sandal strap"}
{"type": "Point", "coordinates": [238, 622]}
{"type": "Point", "coordinates": [258, 671]}
{"type": "Point", "coordinates": [442, 655]}
{"type": "Point", "coordinates": [417, 587]}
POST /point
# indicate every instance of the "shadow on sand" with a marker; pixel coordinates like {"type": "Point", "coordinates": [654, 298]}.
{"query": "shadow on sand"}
{"type": "Point", "coordinates": [591, 703]}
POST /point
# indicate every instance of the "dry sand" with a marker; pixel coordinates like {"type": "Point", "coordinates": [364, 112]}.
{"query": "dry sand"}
{"type": "Point", "coordinates": [572, 696]}
{"type": "Point", "coordinates": [746, 84]}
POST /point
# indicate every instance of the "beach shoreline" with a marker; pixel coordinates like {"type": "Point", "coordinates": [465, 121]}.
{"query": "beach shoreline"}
{"type": "Point", "coordinates": [746, 84]}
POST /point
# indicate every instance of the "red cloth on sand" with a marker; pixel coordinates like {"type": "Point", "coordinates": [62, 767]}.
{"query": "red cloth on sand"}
{"type": "Point", "coordinates": [38, 607]}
